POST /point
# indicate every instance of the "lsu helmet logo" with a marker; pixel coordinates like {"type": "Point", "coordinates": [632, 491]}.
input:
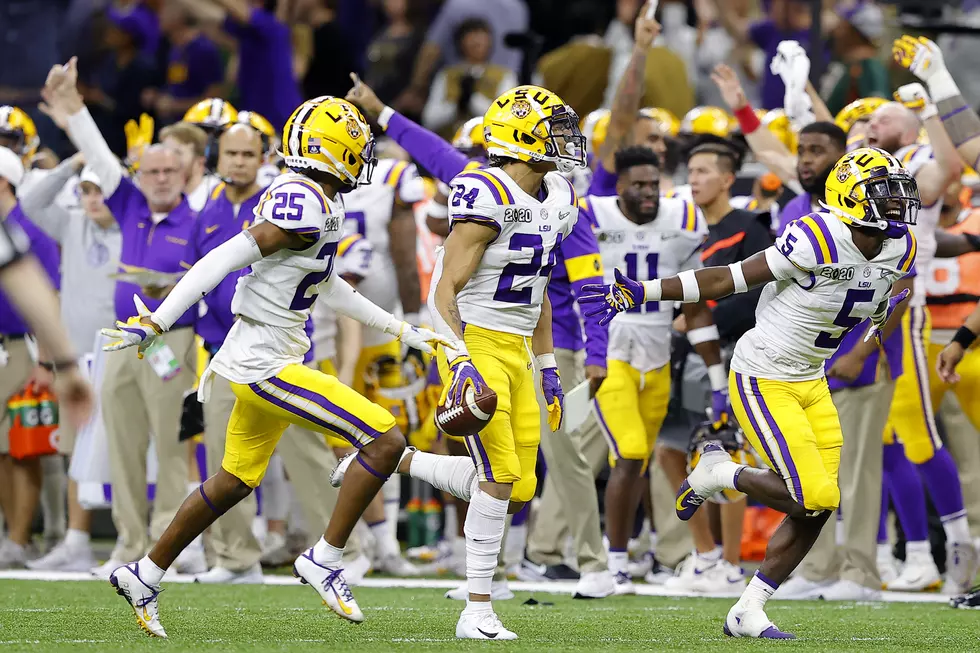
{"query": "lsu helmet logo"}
{"type": "Point", "coordinates": [521, 108]}
{"type": "Point", "coordinates": [842, 174]}
{"type": "Point", "coordinates": [352, 129]}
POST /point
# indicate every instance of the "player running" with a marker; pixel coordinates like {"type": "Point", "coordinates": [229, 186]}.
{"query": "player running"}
{"type": "Point", "coordinates": [832, 271]}
{"type": "Point", "coordinates": [292, 248]}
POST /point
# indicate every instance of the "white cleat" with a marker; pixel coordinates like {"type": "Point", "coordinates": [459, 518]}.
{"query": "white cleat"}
{"type": "Point", "coordinates": [703, 483]}
{"type": "Point", "coordinates": [140, 596]}
{"type": "Point", "coordinates": [329, 583]}
{"type": "Point", "coordinates": [65, 558]}
{"type": "Point", "coordinates": [659, 574]}
{"type": "Point", "coordinates": [595, 585]}
{"type": "Point", "coordinates": [191, 561]}
{"type": "Point", "coordinates": [357, 569]}
{"type": "Point", "coordinates": [223, 576]}
{"type": "Point", "coordinates": [642, 566]}
{"type": "Point", "coordinates": [275, 552]}
{"type": "Point", "coordinates": [623, 584]}
{"type": "Point", "coordinates": [961, 567]}
{"type": "Point", "coordinates": [12, 556]}
{"type": "Point", "coordinates": [743, 621]}
{"type": "Point", "coordinates": [919, 574]}
{"type": "Point", "coordinates": [482, 625]}
{"type": "Point", "coordinates": [887, 567]}
{"type": "Point", "coordinates": [499, 591]}
{"type": "Point", "coordinates": [799, 588]}
{"type": "Point", "coordinates": [398, 566]}
{"type": "Point", "coordinates": [848, 590]}
{"type": "Point", "coordinates": [103, 571]}
{"type": "Point", "coordinates": [722, 578]}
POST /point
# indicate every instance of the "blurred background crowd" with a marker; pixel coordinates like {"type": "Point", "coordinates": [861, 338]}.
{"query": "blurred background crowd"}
{"type": "Point", "coordinates": [439, 63]}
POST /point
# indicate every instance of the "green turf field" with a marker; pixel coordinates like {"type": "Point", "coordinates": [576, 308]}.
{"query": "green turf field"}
{"type": "Point", "coordinates": [87, 616]}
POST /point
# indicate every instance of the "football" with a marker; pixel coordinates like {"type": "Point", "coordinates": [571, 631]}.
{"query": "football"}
{"type": "Point", "coordinates": [470, 417]}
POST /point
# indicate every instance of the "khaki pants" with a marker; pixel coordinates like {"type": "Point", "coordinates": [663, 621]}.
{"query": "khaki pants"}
{"type": "Point", "coordinates": [568, 501]}
{"type": "Point", "coordinates": [135, 403]}
{"type": "Point", "coordinates": [964, 445]}
{"type": "Point", "coordinates": [863, 413]}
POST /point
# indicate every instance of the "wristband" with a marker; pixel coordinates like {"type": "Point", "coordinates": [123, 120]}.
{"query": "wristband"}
{"type": "Point", "coordinates": [690, 287]}
{"type": "Point", "coordinates": [942, 86]}
{"type": "Point", "coordinates": [747, 120]}
{"type": "Point", "coordinates": [964, 337]}
{"type": "Point", "coordinates": [717, 378]}
{"type": "Point", "coordinates": [652, 291]}
{"type": "Point", "coordinates": [703, 334]}
{"type": "Point", "coordinates": [738, 277]}
{"type": "Point", "coordinates": [546, 361]}
{"type": "Point", "coordinates": [57, 366]}
{"type": "Point", "coordinates": [385, 116]}
{"type": "Point", "coordinates": [458, 349]}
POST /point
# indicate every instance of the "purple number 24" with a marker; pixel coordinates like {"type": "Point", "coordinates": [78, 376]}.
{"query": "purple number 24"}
{"type": "Point", "coordinates": [533, 268]}
{"type": "Point", "coordinates": [287, 206]}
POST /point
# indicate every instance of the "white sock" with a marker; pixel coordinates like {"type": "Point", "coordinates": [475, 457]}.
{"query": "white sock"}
{"type": "Point", "coordinates": [383, 536]}
{"type": "Point", "coordinates": [476, 607]}
{"type": "Point", "coordinates": [484, 529]}
{"type": "Point", "coordinates": [391, 492]}
{"type": "Point", "coordinates": [759, 591]}
{"type": "Point", "coordinates": [327, 554]}
{"type": "Point", "coordinates": [957, 530]}
{"type": "Point", "coordinates": [703, 561]}
{"type": "Point", "coordinates": [618, 561]}
{"type": "Point", "coordinates": [725, 473]}
{"type": "Point", "coordinates": [923, 548]}
{"type": "Point", "coordinates": [149, 572]}
{"type": "Point", "coordinates": [76, 538]}
{"type": "Point", "coordinates": [885, 551]}
{"type": "Point", "coordinates": [453, 474]}
{"type": "Point", "coordinates": [516, 543]}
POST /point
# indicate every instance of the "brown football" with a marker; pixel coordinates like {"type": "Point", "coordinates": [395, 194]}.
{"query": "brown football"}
{"type": "Point", "coordinates": [469, 417]}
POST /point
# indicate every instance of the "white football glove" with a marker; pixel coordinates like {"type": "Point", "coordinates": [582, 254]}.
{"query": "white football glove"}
{"type": "Point", "coordinates": [132, 332]}
{"type": "Point", "coordinates": [920, 55]}
{"type": "Point", "coordinates": [418, 337]}
{"type": "Point", "coordinates": [914, 97]}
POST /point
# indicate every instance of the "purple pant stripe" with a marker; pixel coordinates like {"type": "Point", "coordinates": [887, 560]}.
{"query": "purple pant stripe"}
{"type": "Point", "coordinates": [299, 412]}
{"type": "Point", "coordinates": [213, 507]}
{"type": "Point", "coordinates": [947, 116]}
{"type": "Point", "coordinates": [755, 424]}
{"type": "Point", "coordinates": [606, 430]}
{"type": "Point", "coordinates": [768, 581]}
{"type": "Point", "coordinates": [479, 455]}
{"type": "Point", "coordinates": [325, 404]}
{"type": "Point", "coordinates": [780, 440]}
{"type": "Point", "coordinates": [375, 472]}
{"type": "Point", "coordinates": [918, 320]}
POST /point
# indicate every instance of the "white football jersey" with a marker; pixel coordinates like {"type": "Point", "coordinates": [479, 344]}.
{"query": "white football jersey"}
{"type": "Point", "coordinates": [662, 248]}
{"type": "Point", "coordinates": [681, 192]}
{"type": "Point", "coordinates": [267, 174]}
{"type": "Point", "coordinates": [508, 287]}
{"type": "Point", "coordinates": [354, 254]}
{"type": "Point", "coordinates": [368, 213]}
{"type": "Point", "coordinates": [912, 158]}
{"type": "Point", "coordinates": [825, 287]}
{"type": "Point", "coordinates": [275, 299]}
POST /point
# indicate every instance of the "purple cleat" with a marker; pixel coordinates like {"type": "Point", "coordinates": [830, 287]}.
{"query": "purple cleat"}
{"type": "Point", "coordinates": [702, 482]}
{"type": "Point", "coordinates": [743, 621]}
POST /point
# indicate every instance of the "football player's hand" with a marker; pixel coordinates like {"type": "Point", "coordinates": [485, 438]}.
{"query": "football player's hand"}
{"type": "Point", "coordinates": [420, 338]}
{"type": "Point", "coordinates": [949, 358]}
{"type": "Point", "coordinates": [363, 96]}
{"type": "Point", "coordinates": [646, 29]}
{"type": "Point", "coordinates": [847, 367]}
{"type": "Point", "coordinates": [75, 397]}
{"type": "Point", "coordinates": [730, 87]}
{"type": "Point", "coordinates": [462, 374]}
{"type": "Point", "coordinates": [922, 57]}
{"type": "Point", "coordinates": [720, 407]}
{"type": "Point", "coordinates": [914, 97]}
{"type": "Point", "coordinates": [554, 397]}
{"type": "Point", "coordinates": [595, 374]}
{"type": "Point", "coordinates": [876, 323]}
{"type": "Point", "coordinates": [613, 298]}
{"type": "Point", "coordinates": [138, 331]}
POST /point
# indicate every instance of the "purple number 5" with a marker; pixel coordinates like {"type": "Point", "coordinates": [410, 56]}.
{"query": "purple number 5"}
{"type": "Point", "coordinates": [844, 319]}
{"type": "Point", "coordinates": [287, 206]}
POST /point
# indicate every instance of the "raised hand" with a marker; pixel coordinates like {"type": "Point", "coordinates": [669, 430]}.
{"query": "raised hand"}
{"type": "Point", "coordinates": [730, 87]}
{"type": "Point", "coordinates": [646, 29]}
{"type": "Point", "coordinates": [363, 96]}
{"type": "Point", "coordinates": [893, 302]}
{"type": "Point", "coordinates": [915, 97]}
{"type": "Point", "coordinates": [613, 298]}
{"type": "Point", "coordinates": [920, 56]}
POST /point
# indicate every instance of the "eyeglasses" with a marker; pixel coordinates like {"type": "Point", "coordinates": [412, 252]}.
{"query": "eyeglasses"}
{"type": "Point", "coordinates": [164, 172]}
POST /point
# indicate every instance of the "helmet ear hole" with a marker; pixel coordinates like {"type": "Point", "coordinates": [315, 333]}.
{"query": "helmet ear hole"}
{"type": "Point", "coordinates": [527, 140]}
{"type": "Point", "coordinates": [848, 202]}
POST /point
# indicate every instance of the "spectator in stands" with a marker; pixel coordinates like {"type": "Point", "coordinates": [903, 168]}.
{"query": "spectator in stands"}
{"type": "Point", "coordinates": [331, 55]}
{"type": "Point", "coordinates": [20, 480]}
{"type": "Point", "coordinates": [190, 142]}
{"type": "Point", "coordinates": [858, 72]}
{"type": "Point", "coordinates": [266, 83]}
{"type": "Point", "coordinates": [466, 89]}
{"type": "Point", "coordinates": [90, 243]}
{"type": "Point", "coordinates": [113, 85]}
{"type": "Point", "coordinates": [195, 69]}
{"type": "Point", "coordinates": [139, 12]}
{"type": "Point", "coordinates": [140, 397]}
{"type": "Point", "coordinates": [786, 19]}
{"type": "Point", "coordinates": [503, 16]}
{"type": "Point", "coordinates": [392, 52]}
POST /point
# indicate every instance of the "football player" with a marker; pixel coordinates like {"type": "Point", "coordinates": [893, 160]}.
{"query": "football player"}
{"type": "Point", "coordinates": [650, 237]}
{"type": "Point", "coordinates": [827, 274]}
{"type": "Point", "coordinates": [508, 221]}
{"type": "Point", "coordinates": [291, 249]}
{"type": "Point", "coordinates": [18, 133]}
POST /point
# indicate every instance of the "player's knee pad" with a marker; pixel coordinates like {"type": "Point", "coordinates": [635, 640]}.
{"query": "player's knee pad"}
{"type": "Point", "coordinates": [825, 496]}
{"type": "Point", "coordinates": [524, 489]}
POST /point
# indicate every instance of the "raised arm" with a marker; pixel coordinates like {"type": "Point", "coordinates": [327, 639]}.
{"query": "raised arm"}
{"type": "Point", "coordinates": [629, 92]}
{"type": "Point", "coordinates": [37, 200]}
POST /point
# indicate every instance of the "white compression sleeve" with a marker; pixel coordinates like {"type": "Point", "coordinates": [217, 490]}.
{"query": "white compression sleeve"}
{"type": "Point", "coordinates": [236, 253]}
{"type": "Point", "coordinates": [342, 298]}
{"type": "Point", "coordinates": [87, 137]}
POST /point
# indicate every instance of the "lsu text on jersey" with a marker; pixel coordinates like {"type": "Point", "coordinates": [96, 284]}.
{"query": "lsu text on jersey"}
{"type": "Point", "coordinates": [500, 306]}
{"type": "Point", "coordinates": [631, 404]}
{"type": "Point", "coordinates": [263, 354]}
{"type": "Point", "coordinates": [824, 288]}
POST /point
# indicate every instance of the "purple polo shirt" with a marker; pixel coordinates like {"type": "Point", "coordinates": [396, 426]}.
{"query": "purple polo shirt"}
{"type": "Point", "coordinates": [795, 209]}
{"type": "Point", "coordinates": [158, 247]}
{"type": "Point", "coordinates": [45, 249]}
{"type": "Point", "coordinates": [603, 182]}
{"type": "Point", "coordinates": [266, 83]}
{"type": "Point", "coordinates": [194, 67]}
{"type": "Point", "coordinates": [146, 23]}
{"type": "Point", "coordinates": [767, 36]}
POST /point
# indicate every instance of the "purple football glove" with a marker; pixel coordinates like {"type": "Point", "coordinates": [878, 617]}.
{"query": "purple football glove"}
{"type": "Point", "coordinates": [893, 302]}
{"type": "Point", "coordinates": [720, 408]}
{"type": "Point", "coordinates": [462, 374]}
{"type": "Point", "coordinates": [554, 397]}
{"type": "Point", "coordinates": [612, 298]}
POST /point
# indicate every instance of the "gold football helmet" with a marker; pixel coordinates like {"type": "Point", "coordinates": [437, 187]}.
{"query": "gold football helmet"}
{"type": "Point", "coordinates": [18, 132]}
{"type": "Point", "coordinates": [212, 114]}
{"type": "Point", "coordinates": [669, 124]}
{"type": "Point", "coordinates": [707, 120]}
{"type": "Point", "coordinates": [258, 122]}
{"type": "Point", "coordinates": [532, 124]}
{"type": "Point", "coordinates": [470, 135]}
{"type": "Point", "coordinates": [330, 135]}
{"type": "Point", "coordinates": [860, 109]}
{"type": "Point", "coordinates": [594, 128]}
{"type": "Point", "coordinates": [778, 123]}
{"type": "Point", "coordinates": [869, 187]}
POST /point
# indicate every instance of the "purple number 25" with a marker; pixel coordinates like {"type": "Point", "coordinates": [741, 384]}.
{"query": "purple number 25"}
{"type": "Point", "coordinates": [287, 206]}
